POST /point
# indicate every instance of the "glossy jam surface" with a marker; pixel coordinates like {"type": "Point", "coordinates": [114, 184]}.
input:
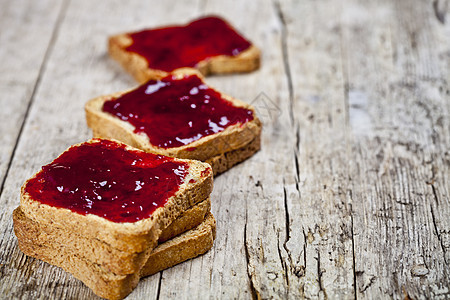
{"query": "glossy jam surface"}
{"type": "Point", "coordinates": [174, 47]}
{"type": "Point", "coordinates": [175, 112]}
{"type": "Point", "coordinates": [104, 179]}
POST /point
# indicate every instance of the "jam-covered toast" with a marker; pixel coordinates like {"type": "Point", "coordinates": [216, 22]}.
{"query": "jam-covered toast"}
{"type": "Point", "coordinates": [122, 196]}
{"type": "Point", "coordinates": [179, 116]}
{"type": "Point", "coordinates": [210, 45]}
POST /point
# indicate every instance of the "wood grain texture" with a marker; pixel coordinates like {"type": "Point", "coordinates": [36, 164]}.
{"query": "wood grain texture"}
{"type": "Point", "coordinates": [393, 55]}
{"type": "Point", "coordinates": [349, 196]}
{"type": "Point", "coordinates": [24, 25]}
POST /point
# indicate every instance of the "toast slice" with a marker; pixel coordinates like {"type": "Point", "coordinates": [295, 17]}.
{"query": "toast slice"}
{"type": "Point", "coordinates": [189, 219]}
{"type": "Point", "coordinates": [127, 236]}
{"type": "Point", "coordinates": [96, 251]}
{"type": "Point", "coordinates": [188, 245]}
{"type": "Point", "coordinates": [120, 195]}
{"type": "Point", "coordinates": [179, 116]}
{"type": "Point", "coordinates": [210, 45]}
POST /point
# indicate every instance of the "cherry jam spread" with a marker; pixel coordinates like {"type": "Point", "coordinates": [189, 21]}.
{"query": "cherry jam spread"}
{"type": "Point", "coordinates": [104, 179]}
{"type": "Point", "coordinates": [175, 112]}
{"type": "Point", "coordinates": [174, 47]}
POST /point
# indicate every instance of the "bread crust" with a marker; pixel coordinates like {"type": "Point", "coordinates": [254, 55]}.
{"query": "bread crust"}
{"type": "Point", "coordinates": [112, 286]}
{"type": "Point", "coordinates": [188, 220]}
{"type": "Point", "coordinates": [211, 148]}
{"type": "Point", "coordinates": [225, 161]}
{"type": "Point", "coordinates": [188, 245]}
{"type": "Point", "coordinates": [97, 251]}
{"type": "Point", "coordinates": [103, 284]}
{"type": "Point", "coordinates": [246, 61]}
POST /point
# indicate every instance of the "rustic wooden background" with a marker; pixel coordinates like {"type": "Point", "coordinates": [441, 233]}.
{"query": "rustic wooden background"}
{"type": "Point", "coordinates": [349, 196]}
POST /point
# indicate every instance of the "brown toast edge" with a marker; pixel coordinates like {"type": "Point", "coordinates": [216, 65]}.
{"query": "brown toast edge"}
{"type": "Point", "coordinates": [111, 259]}
{"type": "Point", "coordinates": [227, 160]}
{"type": "Point", "coordinates": [181, 248]}
{"type": "Point", "coordinates": [111, 286]}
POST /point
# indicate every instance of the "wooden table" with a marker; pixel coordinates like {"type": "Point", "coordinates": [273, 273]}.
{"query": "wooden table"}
{"type": "Point", "coordinates": [349, 196]}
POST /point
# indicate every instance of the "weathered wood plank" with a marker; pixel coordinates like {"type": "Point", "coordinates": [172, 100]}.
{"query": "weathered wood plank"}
{"type": "Point", "coordinates": [398, 102]}
{"type": "Point", "coordinates": [249, 219]}
{"type": "Point", "coordinates": [25, 25]}
{"type": "Point", "coordinates": [77, 70]}
{"type": "Point", "coordinates": [27, 36]}
{"type": "Point", "coordinates": [320, 216]}
{"type": "Point", "coordinates": [349, 196]}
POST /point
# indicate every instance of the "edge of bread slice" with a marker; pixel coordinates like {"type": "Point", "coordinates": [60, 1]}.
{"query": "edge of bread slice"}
{"type": "Point", "coordinates": [112, 286]}
{"type": "Point", "coordinates": [188, 220]}
{"type": "Point", "coordinates": [97, 251]}
{"type": "Point", "coordinates": [137, 236]}
{"type": "Point", "coordinates": [233, 138]}
{"type": "Point", "coordinates": [246, 61]}
{"type": "Point", "coordinates": [187, 245]}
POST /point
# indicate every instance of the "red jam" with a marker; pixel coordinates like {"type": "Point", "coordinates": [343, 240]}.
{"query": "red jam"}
{"type": "Point", "coordinates": [174, 47]}
{"type": "Point", "coordinates": [175, 112]}
{"type": "Point", "coordinates": [104, 179]}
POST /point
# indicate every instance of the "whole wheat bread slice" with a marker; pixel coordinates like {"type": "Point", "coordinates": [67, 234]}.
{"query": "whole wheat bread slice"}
{"type": "Point", "coordinates": [246, 61]}
{"type": "Point", "coordinates": [111, 286]}
{"type": "Point", "coordinates": [222, 149]}
{"type": "Point", "coordinates": [188, 245]}
{"type": "Point", "coordinates": [139, 236]}
{"type": "Point", "coordinates": [97, 251]}
{"type": "Point", "coordinates": [188, 220]}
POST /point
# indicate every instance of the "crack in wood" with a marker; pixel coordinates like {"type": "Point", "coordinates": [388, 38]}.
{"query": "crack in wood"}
{"type": "Point", "coordinates": [9, 231]}
{"type": "Point", "coordinates": [319, 275]}
{"type": "Point", "coordinates": [211, 273]}
{"type": "Point", "coordinates": [368, 284]}
{"type": "Point", "coordinates": [438, 234]}
{"type": "Point", "coordinates": [255, 294]}
{"type": "Point", "coordinates": [433, 188]}
{"type": "Point", "coordinates": [353, 250]}
{"type": "Point", "coordinates": [287, 68]}
{"type": "Point", "coordinates": [304, 246]}
{"type": "Point", "coordinates": [296, 155]}
{"type": "Point", "coordinates": [158, 292]}
{"type": "Point", "coordinates": [283, 264]}
{"type": "Point", "coordinates": [287, 223]}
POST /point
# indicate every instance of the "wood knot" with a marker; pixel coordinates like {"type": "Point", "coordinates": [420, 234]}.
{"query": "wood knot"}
{"type": "Point", "coordinates": [419, 270]}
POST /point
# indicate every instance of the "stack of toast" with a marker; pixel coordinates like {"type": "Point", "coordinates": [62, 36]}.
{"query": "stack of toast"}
{"type": "Point", "coordinates": [135, 199]}
{"type": "Point", "coordinates": [112, 242]}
